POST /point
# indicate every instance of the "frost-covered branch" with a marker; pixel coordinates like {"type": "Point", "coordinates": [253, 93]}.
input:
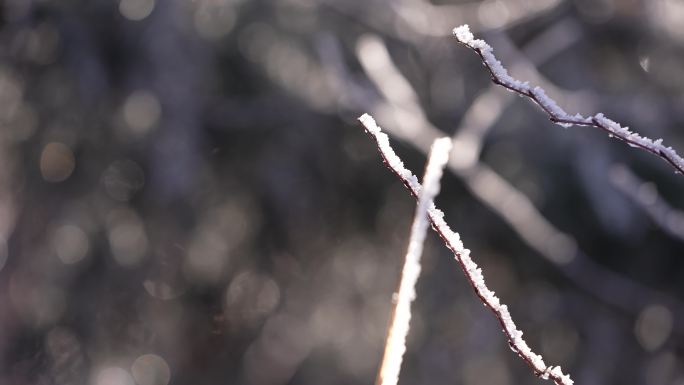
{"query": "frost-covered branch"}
{"type": "Point", "coordinates": [395, 345]}
{"type": "Point", "coordinates": [556, 114]}
{"type": "Point", "coordinates": [470, 268]}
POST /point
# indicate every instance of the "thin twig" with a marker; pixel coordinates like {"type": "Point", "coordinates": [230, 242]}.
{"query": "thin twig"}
{"type": "Point", "coordinates": [395, 344]}
{"type": "Point", "coordinates": [472, 271]}
{"type": "Point", "coordinates": [500, 76]}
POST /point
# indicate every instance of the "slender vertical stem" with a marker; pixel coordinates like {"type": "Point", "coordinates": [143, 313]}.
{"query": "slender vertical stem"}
{"type": "Point", "coordinates": [395, 344]}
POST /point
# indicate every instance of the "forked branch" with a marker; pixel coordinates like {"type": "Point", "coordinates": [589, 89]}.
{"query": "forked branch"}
{"type": "Point", "coordinates": [556, 114]}
{"type": "Point", "coordinates": [472, 271]}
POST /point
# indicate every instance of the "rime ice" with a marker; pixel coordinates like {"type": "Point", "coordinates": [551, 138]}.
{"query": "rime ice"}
{"type": "Point", "coordinates": [557, 114]}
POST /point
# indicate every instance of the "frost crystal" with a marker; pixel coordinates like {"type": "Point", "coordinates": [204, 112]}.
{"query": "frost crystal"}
{"type": "Point", "coordinates": [392, 159]}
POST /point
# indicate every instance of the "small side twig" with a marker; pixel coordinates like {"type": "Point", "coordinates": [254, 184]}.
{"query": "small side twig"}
{"type": "Point", "coordinates": [395, 345]}
{"type": "Point", "coordinates": [500, 76]}
{"type": "Point", "coordinates": [472, 271]}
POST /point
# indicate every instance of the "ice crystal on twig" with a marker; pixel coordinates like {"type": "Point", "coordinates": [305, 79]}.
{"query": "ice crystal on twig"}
{"type": "Point", "coordinates": [556, 114]}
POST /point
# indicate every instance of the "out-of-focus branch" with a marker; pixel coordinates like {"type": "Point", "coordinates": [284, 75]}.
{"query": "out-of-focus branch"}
{"type": "Point", "coordinates": [473, 273]}
{"type": "Point", "coordinates": [415, 20]}
{"type": "Point", "coordinates": [556, 114]}
{"type": "Point", "coordinates": [645, 195]}
{"type": "Point", "coordinates": [430, 19]}
{"type": "Point", "coordinates": [395, 345]}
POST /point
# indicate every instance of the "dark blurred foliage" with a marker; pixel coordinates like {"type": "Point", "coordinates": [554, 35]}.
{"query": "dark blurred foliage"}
{"type": "Point", "coordinates": [186, 198]}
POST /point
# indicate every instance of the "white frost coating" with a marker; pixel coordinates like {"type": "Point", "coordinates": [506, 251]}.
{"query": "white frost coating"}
{"type": "Point", "coordinates": [636, 140]}
{"type": "Point", "coordinates": [549, 104]}
{"type": "Point", "coordinates": [463, 35]}
{"type": "Point", "coordinates": [399, 328]}
{"type": "Point", "coordinates": [557, 114]}
{"type": "Point", "coordinates": [470, 268]}
{"type": "Point", "coordinates": [392, 159]}
{"type": "Point", "coordinates": [501, 76]}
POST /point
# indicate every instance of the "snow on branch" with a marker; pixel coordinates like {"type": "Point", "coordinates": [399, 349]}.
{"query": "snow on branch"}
{"type": "Point", "coordinates": [556, 114]}
{"type": "Point", "coordinates": [401, 317]}
{"type": "Point", "coordinates": [472, 271]}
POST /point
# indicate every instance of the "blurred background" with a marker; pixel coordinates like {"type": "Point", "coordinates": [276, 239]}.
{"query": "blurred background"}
{"type": "Point", "coordinates": [186, 196]}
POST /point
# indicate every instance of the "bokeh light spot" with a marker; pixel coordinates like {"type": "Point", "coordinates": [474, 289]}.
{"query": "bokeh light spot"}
{"type": "Point", "coordinates": [136, 10]}
{"type": "Point", "coordinates": [214, 22]}
{"type": "Point", "coordinates": [141, 111]}
{"type": "Point", "coordinates": [127, 237]}
{"type": "Point", "coordinates": [114, 376]}
{"type": "Point", "coordinates": [150, 369]}
{"type": "Point", "coordinates": [653, 326]}
{"type": "Point", "coordinates": [223, 229]}
{"type": "Point", "coordinates": [493, 14]}
{"type": "Point", "coordinates": [70, 243]}
{"type": "Point", "coordinates": [56, 162]}
{"type": "Point", "coordinates": [661, 369]}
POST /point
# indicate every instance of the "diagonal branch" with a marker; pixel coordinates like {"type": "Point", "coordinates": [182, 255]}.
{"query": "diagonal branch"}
{"type": "Point", "coordinates": [472, 271]}
{"type": "Point", "coordinates": [556, 114]}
